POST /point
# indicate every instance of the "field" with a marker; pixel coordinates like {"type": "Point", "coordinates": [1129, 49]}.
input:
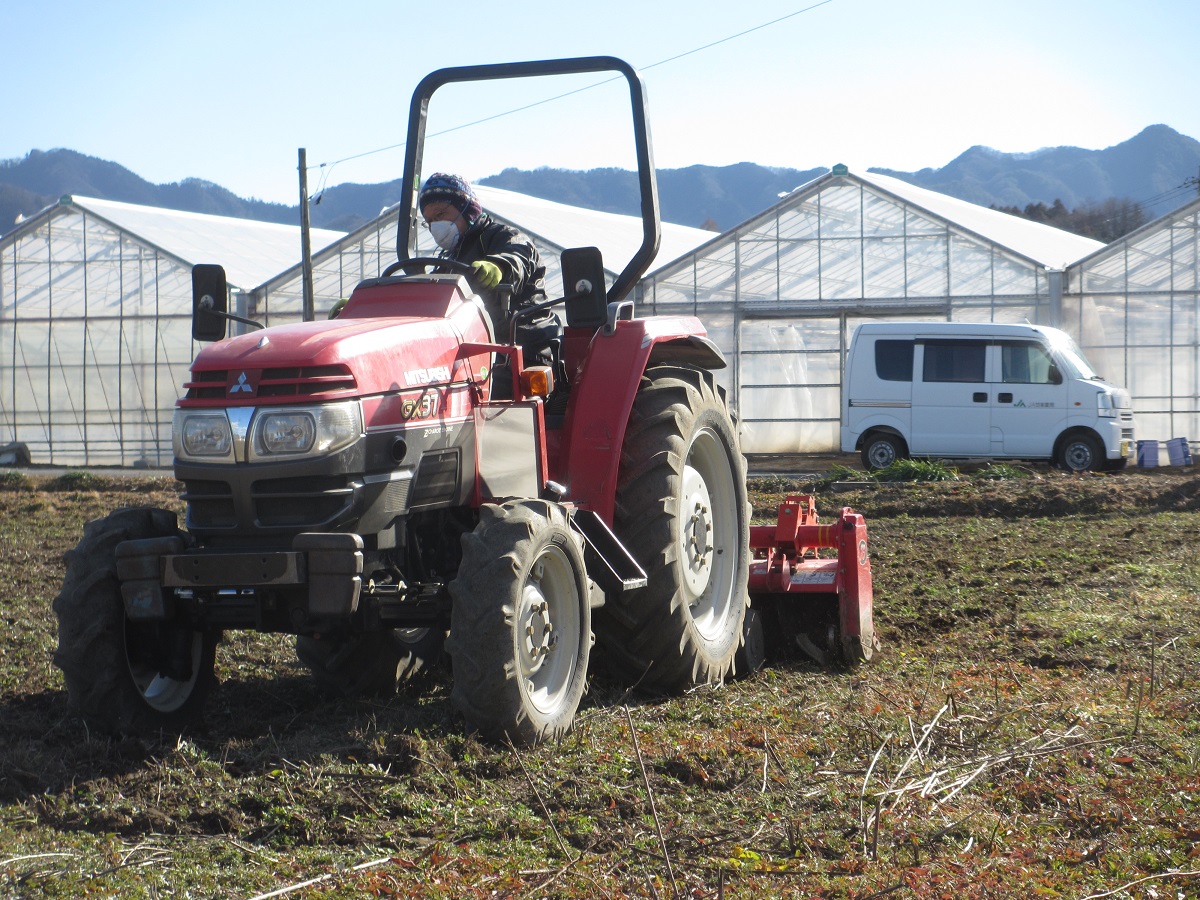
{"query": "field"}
{"type": "Point", "coordinates": [1030, 728]}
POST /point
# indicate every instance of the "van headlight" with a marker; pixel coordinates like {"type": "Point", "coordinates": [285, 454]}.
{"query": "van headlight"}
{"type": "Point", "coordinates": [304, 431]}
{"type": "Point", "coordinates": [1105, 406]}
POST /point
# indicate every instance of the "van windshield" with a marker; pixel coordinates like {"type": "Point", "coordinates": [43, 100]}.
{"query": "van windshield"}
{"type": "Point", "coordinates": [1072, 358]}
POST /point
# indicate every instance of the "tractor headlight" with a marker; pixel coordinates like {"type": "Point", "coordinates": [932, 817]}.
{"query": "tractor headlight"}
{"type": "Point", "coordinates": [245, 434]}
{"type": "Point", "coordinates": [304, 431]}
{"type": "Point", "coordinates": [280, 433]}
{"type": "Point", "coordinates": [202, 435]}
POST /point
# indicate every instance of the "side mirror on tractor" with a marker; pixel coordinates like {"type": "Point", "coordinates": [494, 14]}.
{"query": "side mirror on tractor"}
{"type": "Point", "coordinates": [583, 285]}
{"type": "Point", "coordinates": [210, 301]}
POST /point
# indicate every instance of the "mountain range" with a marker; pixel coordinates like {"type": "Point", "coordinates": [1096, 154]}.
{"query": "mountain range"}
{"type": "Point", "coordinates": [1157, 168]}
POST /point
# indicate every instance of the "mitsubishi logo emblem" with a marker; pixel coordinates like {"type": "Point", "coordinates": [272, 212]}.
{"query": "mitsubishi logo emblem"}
{"type": "Point", "coordinates": [241, 385]}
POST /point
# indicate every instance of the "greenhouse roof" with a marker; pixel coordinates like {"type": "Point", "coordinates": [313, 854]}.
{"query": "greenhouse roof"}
{"type": "Point", "coordinates": [547, 223]}
{"type": "Point", "coordinates": [1044, 244]}
{"type": "Point", "coordinates": [618, 236]}
{"type": "Point", "coordinates": [1146, 234]}
{"type": "Point", "coordinates": [250, 251]}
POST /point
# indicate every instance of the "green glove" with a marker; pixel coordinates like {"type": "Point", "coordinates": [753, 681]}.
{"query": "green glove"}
{"type": "Point", "coordinates": [487, 273]}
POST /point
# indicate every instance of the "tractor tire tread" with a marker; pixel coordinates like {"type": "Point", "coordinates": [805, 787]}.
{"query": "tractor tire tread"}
{"type": "Point", "coordinates": [647, 635]}
{"type": "Point", "coordinates": [486, 593]}
{"type": "Point", "coordinates": [91, 631]}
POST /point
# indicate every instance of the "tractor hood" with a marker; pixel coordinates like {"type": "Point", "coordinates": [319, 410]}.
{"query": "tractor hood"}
{"type": "Point", "coordinates": [338, 359]}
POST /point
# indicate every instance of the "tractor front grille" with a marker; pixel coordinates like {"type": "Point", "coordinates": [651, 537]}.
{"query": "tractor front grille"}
{"type": "Point", "coordinates": [306, 381]}
{"type": "Point", "coordinates": [280, 383]}
{"type": "Point", "coordinates": [300, 502]}
{"type": "Point", "coordinates": [210, 504]}
{"type": "Point", "coordinates": [296, 504]}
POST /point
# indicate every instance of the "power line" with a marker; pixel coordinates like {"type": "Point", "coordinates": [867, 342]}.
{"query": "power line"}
{"type": "Point", "coordinates": [740, 34]}
{"type": "Point", "coordinates": [528, 106]}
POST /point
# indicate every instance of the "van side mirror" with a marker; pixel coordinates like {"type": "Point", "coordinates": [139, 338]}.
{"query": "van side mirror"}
{"type": "Point", "coordinates": [210, 300]}
{"type": "Point", "coordinates": [583, 284]}
{"type": "Point", "coordinates": [1055, 374]}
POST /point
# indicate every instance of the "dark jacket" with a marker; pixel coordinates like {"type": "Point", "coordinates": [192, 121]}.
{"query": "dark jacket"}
{"type": "Point", "coordinates": [514, 253]}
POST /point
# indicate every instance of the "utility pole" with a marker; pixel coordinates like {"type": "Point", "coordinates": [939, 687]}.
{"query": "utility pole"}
{"type": "Point", "coordinates": [305, 243]}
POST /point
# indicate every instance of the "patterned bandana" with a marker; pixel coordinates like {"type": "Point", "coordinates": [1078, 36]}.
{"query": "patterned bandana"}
{"type": "Point", "coordinates": [453, 190]}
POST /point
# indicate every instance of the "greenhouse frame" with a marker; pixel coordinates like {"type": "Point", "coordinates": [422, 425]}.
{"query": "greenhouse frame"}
{"type": "Point", "coordinates": [95, 322]}
{"type": "Point", "coordinates": [782, 293]}
{"type": "Point", "coordinates": [95, 302]}
{"type": "Point", "coordinates": [1133, 307]}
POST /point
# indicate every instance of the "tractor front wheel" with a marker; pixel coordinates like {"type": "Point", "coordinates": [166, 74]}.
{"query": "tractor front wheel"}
{"type": "Point", "coordinates": [124, 676]}
{"type": "Point", "coordinates": [682, 510]}
{"type": "Point", "coordinates": [520, 624]}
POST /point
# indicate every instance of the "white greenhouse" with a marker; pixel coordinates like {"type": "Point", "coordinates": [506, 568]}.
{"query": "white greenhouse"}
{"type": "Point", "coordinates": [95, 322]}
{"type": "Point", "coordinates": [782, 293]}
{"type": "Point", "coordinates": [1134, 307]}
{"type": "Point", "coordinates": [95, 301]}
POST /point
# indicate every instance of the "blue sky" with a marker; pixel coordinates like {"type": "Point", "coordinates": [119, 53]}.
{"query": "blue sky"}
{"type": "Point", "coordinates": [227, 91]}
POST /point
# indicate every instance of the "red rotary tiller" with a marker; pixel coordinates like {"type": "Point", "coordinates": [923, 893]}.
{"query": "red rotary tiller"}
{"type": "Point", "coordinates": [821, 602]}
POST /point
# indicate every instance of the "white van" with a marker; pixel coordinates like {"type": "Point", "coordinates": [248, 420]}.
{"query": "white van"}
{"type": "Point", "coordinates": [959, 391]}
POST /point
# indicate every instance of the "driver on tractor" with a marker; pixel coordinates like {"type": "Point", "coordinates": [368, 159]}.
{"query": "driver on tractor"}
{"type": "Point", "coordinates": [465, 233]}
{"type": "Point", "coordinates": [502, 258]}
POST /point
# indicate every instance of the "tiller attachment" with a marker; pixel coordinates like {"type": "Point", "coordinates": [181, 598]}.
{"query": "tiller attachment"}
{"type": "Point", "coordinates": [822, 602]}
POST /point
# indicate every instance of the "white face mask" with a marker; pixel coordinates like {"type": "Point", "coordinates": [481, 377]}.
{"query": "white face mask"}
{"type": "Point", "coordinates": [445, 234]}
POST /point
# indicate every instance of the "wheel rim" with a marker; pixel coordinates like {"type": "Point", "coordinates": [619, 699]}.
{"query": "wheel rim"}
{"type": "Point", "coordinates": [1078, 456]}
{"type": "Point", "coordinates": [881, 454]}
{"type": "Point", "coordinates": [161, 692]}
{"type": "Point", "coordinates": [548, 629]}
{"type": "Point", "coordinates": [707, 540]}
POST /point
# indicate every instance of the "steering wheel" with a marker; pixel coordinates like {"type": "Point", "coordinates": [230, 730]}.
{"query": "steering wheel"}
{"type": "Point", "coordinates": [418, 264]}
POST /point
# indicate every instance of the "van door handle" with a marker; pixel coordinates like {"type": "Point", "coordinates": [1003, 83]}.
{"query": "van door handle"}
{"type": "Point", "coordinates": [979, 396]}
{"type": "Point", "coordinates": [1004, 398]}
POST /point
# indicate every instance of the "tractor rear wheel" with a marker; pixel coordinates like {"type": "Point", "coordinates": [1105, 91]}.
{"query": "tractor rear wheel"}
{"type": "Point", "coordinates": [373, 663]}
{"type": "Point", "coordinates": [116, 670]}
{"type": "Point", "coordinates": [682, 510]}
{"type": "Point", "coordinates": [520, 623]}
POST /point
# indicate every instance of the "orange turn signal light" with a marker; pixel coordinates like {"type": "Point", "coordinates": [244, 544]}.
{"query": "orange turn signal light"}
{"type": "Point", "coordinates": [537, 381]}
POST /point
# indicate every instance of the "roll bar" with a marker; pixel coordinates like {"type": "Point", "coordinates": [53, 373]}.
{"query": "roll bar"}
{"type": "Point", "coordinates": [406, 243]}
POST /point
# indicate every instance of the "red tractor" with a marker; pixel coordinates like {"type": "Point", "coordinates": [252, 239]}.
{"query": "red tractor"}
{"type": "Point", "coordinates": [358, 483]}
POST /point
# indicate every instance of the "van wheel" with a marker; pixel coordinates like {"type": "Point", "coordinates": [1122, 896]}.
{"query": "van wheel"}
{"type": "Point", "coordinates": [1081, 453]}
{"type": "Point", "coordinates": [880, 450]}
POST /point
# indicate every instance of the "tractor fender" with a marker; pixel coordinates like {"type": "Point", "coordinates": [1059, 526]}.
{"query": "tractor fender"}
{"type": "Point", "coordinates": [603, 393]}
{"type": "Point", "coordinates": [694, 349]}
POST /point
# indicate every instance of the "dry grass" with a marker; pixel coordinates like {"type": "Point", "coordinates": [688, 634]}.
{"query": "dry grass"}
{"type": "Point", "coordinates": [1030, 729]}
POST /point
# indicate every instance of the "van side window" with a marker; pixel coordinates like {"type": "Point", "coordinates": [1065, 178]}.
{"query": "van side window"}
{"type": "Point", "coordinates": [1024, 362]}
{"type": "Point", "coordinates": [960, 361]}
{"type": "Point", "coordinates": [893, 360]}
